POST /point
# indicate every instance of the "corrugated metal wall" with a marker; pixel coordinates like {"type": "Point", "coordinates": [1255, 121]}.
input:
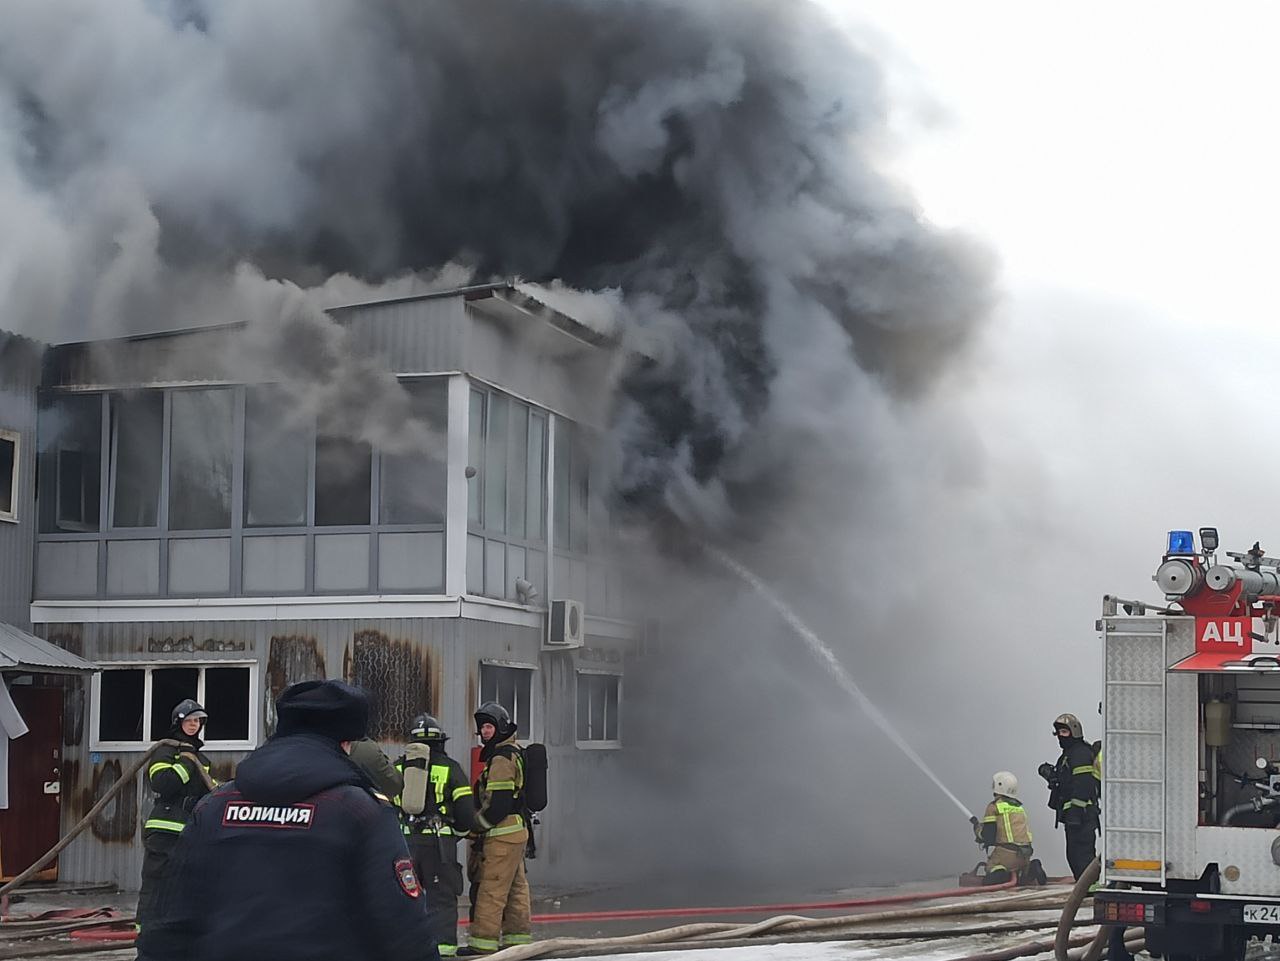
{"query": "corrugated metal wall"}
{"type": "Point", "coordinates": [408, 665]}
{"type": "Point", "coordinates": [17, 540]}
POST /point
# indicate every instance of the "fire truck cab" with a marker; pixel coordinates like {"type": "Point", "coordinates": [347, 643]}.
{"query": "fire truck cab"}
{"type": "Point", "coordinates": [1191, 754]}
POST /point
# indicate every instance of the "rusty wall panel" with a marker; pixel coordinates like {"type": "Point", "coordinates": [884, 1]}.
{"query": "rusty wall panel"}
{"type": "Point", "coordinates": [291, 658]}
{"type": "Point", "coordinates": [17, 540]}
{"type": "Point", "coordinates": [173, 640]}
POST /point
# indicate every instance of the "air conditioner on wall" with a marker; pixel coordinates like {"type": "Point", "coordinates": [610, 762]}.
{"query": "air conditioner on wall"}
{"type": "Point", "coordinates": [565, 625]}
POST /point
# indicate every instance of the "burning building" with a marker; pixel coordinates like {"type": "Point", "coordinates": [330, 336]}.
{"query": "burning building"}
{"type": "Point", "coordinates": [200, 536]}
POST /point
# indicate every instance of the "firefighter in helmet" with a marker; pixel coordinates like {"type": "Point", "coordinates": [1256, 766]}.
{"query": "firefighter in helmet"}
{"type": "Point", "coordinates": [178, 778]}
{"type": "Point", "coordinates": [499, 888]}
{"type": "Point", "coordinates": [436, 808]}
{"type": "Point", "coordinates": [1074, 784]}
{"type": "Point", "coordinates": [1006, 835]}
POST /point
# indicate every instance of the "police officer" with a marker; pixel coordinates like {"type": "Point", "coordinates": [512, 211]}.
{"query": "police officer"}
{"type": "Point", "coordinates": [436, 807]}
{"type": "Point", "coordinates": [1004, 832]}
{"type": "Point", "coordinates": [499, 888]}
{"type": "Point", "coordinates": [1074, 784]}
{"type": "Point", "coordinates": [178, 778]}
{"type": "Point", "coordinates": [296, 858]}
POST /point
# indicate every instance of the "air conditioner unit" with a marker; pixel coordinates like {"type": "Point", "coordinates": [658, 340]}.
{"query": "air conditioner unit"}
{"type": "Point", "coordinates": [565, 625]}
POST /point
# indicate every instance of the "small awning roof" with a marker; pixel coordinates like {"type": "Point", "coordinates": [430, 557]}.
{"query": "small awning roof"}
{"type": "Point", "coordinates": [1228, 662]}
{"type": "Point", "coordinates": [20, 651]}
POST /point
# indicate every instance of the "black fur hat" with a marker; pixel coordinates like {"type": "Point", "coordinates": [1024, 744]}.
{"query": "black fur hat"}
{"type": "Point", "coordinates": [331, 708]}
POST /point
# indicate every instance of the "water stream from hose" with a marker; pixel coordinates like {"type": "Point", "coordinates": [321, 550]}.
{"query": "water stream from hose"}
{"type": "Point", "coordinates": [828, 657]}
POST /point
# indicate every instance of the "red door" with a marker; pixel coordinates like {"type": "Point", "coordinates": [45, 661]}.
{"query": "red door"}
{"type": "Point", "coordinates": [30, 826]}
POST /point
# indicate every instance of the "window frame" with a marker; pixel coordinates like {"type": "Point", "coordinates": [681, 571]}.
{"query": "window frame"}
{"type": "Point", "coordinates": [13, 515]}
{"type": "Point", "coordinates": [95, 702]}
{"type": "Point", "coordinates": [531, 671]}
{"type": "Point", "coordinates": [600, 744]}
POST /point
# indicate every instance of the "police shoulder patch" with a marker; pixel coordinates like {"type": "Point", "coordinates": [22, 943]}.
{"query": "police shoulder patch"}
{"type": "Point", "coordinates": [408, 878]}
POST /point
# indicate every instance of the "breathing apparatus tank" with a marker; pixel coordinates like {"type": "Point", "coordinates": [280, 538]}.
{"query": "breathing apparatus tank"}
{"type": "Point", "coordinates": [418, 796]}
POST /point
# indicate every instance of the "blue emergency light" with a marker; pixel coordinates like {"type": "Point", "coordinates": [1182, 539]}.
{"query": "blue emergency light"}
{"type": "Point", "coordinates": [1181, 542]}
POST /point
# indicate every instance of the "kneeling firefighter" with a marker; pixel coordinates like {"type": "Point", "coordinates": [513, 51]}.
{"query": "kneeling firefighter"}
{"type": "Point", "coordinates": [1004, 832]}
{"type": "Point", "coordinates": [499, 887]}
{"type": "Point", "coordinates": [178, 778]}
{"type": "Point", "coordinates": [436, 808]}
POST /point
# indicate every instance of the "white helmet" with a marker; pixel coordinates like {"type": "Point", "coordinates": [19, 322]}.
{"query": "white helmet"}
{"type": "Point", "coordinates": [1002, 782]}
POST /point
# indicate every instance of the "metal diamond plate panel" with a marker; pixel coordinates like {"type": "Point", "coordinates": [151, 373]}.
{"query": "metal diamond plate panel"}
{"type": "Point", "coordinates": [1182, 752]}
{"type": "Point", "coordinates": [1248, 849]}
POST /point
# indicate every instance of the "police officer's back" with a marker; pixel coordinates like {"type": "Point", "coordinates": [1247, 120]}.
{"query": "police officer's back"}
{"type": "Point", "coordinates": [295, 858]}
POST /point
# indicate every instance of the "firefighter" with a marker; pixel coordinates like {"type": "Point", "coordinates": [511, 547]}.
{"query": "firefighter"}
{"type": "Point", "coordinates": [1005, 833]}
{"type": "Point", "coordinates": [296, 858]}
{"type": "Point", "coordinates": [499, 888]}
{"type": "Point", "coordinates": [436, 807]}
{"type": "Point", "coordinates": [178, 778]}
{"type": "Point", "coordinates": [1073, 792]}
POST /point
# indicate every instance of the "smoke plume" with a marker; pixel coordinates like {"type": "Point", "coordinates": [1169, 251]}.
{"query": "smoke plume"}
{"type": "Point", "coordinates": [705, 176]}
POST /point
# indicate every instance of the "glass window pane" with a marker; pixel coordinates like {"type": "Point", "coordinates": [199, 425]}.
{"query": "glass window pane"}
{"type": "Point", "coordinates": [495, 569]}
{"type": "Point", "coordinates": [8, 478]}
{"type": "Point", "coordinates": [517, 468]}
{"type": "Point", "coordinates": [70, 463]}
{"type": "Point", "coordinates": [611, 709]}
{"type": "Point", "coordinates": [137, 425]}
{"type": "Point", "coordinates": [475, 460]}
{"type": "Point", "coordinates": [535, 478]}
{"type": "Point", "coordinates": [510, 687]}
{"type": "Point", "coordinates": [495, 465]}
{"type": "Point", "coordinates": [201, 423]}
{"type": "Point", "coordinates": [275, 461]}
{"type": "Point", "coordinates": [226, 698]}
{"type": "Point", "coordinates": [475, 564]}
{"type": "Point", "coordinates": [120, 706]}
{"type": "Point", "coordinates": [564, 444]}
{"type": "Point", "coordinates": [597, 707]}
{"type": "Point", "coordinates": [169, 686]}
{"type": "Point", "coordinates": [584, 707]}
{"type": "Point", "coordinates": [413, 482]}
{"type": "Point", "coordinates": [579, 496]}
{"type": "Point", "coordinates": [344, 474]}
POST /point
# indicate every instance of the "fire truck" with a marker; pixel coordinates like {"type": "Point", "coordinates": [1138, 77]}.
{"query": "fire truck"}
{"type": "Point", "coordinates": [1190, 849]}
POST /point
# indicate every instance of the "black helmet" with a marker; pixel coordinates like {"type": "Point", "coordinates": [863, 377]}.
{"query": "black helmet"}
{"type": "Point", "coordinates": [185, 709]}
{"type": "Point", "coordinates": [424, 727]}
{"type": "Point", "coordinates": [494, 713]}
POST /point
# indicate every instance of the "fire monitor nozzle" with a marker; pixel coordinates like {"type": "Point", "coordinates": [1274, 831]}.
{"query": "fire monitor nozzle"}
{"type": "Point", "coordinates": [1178, 578]}
{"type": "Point", "coordinates": [1220, 577]}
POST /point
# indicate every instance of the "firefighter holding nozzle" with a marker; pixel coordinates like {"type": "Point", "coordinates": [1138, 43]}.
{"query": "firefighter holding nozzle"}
{"type": "Point", "coordinates": [1073, 791]}
{"type": "Point", "coordinates": [1004, 832]}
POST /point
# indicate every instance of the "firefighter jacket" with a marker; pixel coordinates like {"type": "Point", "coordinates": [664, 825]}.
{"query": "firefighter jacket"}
{"type": "Point", "coordinates": [368, 756]}
{"type": "Point", "coordinates": [295, 859]}
{"type": "Point", "coordinates": [1004, 825]}
{"type": "Point", "coordinates": [1075, 798]}
{"type": "Point", "coordinates": [177, 778]}
{"type": "Point", "coordinates": [499, 793]}
{"type": "Point", "coordinates": [452, 808]}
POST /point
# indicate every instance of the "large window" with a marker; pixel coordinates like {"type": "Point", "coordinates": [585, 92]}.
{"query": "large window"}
{"type": "Point", "coordinates": [344, 474]}
{"type": "Point", "coordinates": [413, 481]}
{"type": "Point", "coordinates": [132, 704]}
{"type": "Point", "coordinates": [599, 700]}
{"type": "Point", "coordinates": [276, 455]}
{"type": "Point", "coordinates": [512, 687]}
{"type": "Point", "coordinates": [9, 442]}
{"type": "Point", "coordinates": [200, 452]}
{"type": "Point", "coordinates": [137, 429]}
{"type": "Point", "coordinates": [572, 487]}
{"type": "Point", "coordinates": [70, 463]}
{"type": "Point", "coordinates": [506, 505]}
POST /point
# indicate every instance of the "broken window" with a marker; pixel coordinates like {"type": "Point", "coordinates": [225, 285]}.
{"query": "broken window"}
{"type": "Point", "coordinates": [275, 461]}
{"type": "Point", "coordinates": [131, 701]}
{"type": "Point", "coordinates": [170, 686]}
{"type": "Point", "coordinates": [69, 431]}
{"type": "Point", "coordinates": [120, 704]}
{"type": "Point", "coordinates": [9, 475]}
{"type": "Point", "coordinates": [137, 427]}
{"type": "Point", "coordinates": [413, 482]}
{"type": "Point", "coordinates": [344, 473]}
{"type": "Point", "coordinates": [597, 709]}
{"type": "Point", "coordinates": [200, 442]}
{"type": "Point", "coordinates": [512, 688]}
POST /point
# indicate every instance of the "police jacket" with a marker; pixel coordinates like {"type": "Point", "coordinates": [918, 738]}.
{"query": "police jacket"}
{"type": "Point", "coordinates": [499, 793]}
{"type": "Point", "coordinates": [1075, 800]}
{"type": "Point", "coordinates": [451, 808]}
{"type": "Point", "coordinates": [295, 859]}
{"type": "Point", "coordinates": [1004, 825]}
{"type": "Point", "coordinates": [175, 778]}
